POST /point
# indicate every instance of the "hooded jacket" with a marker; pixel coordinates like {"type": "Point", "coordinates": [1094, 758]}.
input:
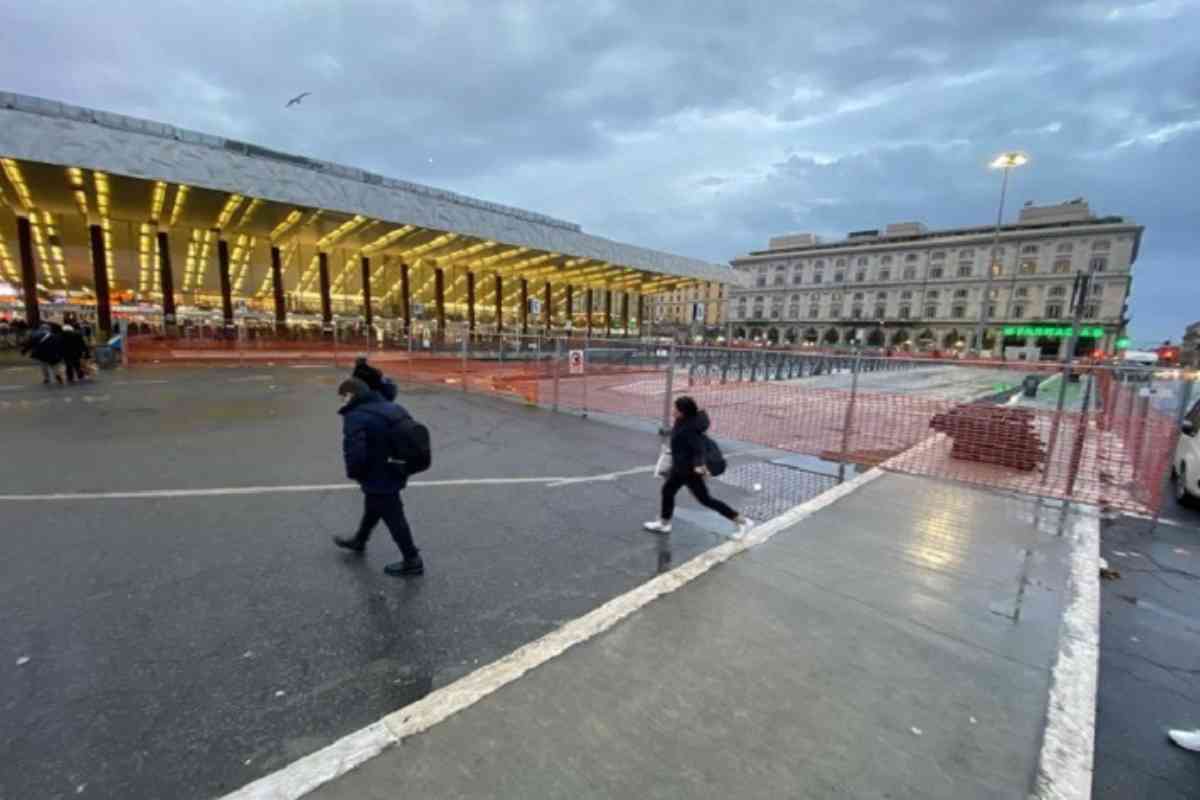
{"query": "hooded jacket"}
{"type": "Point", "coordinates": [366, 448]}
{"type": "Point", "coordinates": [687, 444]}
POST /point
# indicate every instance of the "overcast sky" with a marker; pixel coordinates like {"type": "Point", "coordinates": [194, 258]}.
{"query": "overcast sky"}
{"type": "Point", "coordinates": [698, 127]}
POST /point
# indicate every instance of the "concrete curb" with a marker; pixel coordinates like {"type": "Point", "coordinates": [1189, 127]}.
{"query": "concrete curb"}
{"type": "Point", "coordinates": [1066, 761]}
{"type": "Point", "coordinates": [308, 773]}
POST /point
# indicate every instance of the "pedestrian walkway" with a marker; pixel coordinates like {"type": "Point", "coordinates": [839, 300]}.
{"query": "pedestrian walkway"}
{"type": "Point", "coordinates": [900, 642]}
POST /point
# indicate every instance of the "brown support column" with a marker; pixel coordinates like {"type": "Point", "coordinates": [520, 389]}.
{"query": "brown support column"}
{"type": "Point", "coordinates": [570, 306]}
{"type": "Point", "coordinates": [641, 313]}
{"type": "Point", "coordinates": [439, 283]}
{"type": "Point", "coordinates": [326, 298]}
{"type": "Point", "coordinates": [166, 279]}
{"type": "Point", "coordinates": [406, 299]}
{"type": "Point", "coordinates": [471, 302]}
{"type": "Point", "coordinates": [277, 285]}
{"type": "Point", "coordinates": [548, 310]}
{"type": "Point", "coordinates": [368, 312]}
{"type": "Point", "coordinates": [587, 307]}
{"type": "Point", "coordinates": [524, 306]}
{"type": "Point", "coordinates": [100, 278]}
{"type": "Point", "coordinates": [499, 304]}
{"type": "Point", "coordinates": [33, 313]}
{"type": "Point", "coordinates": [625, 311]}
{"type": "Point", "coordinates": [226, 284]}
{"type": "Point", "coordinates": [608, 312]}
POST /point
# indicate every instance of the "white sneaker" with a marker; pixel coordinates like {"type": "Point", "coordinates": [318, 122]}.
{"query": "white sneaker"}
{"type": "Point", "coordinates": [1188, 740]}
{"type": "Point", "coordinates": [744, 527]}
{"type": "Point", "coordinates": [657, 526]}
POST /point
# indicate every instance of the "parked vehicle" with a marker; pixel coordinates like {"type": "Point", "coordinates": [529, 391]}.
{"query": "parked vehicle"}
{"type": "Point", "coordinates": [1185, 466]}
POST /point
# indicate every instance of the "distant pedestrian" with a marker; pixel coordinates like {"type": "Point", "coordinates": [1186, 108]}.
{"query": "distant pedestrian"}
{"type": "Point", "coordinates": [688, 469]}
{"type": "Point", "coordinates": [367, 447]}
{"type": "Point", "coordinates": [74, 350]}
{"type": "Point", "coordinates": [44, 345]}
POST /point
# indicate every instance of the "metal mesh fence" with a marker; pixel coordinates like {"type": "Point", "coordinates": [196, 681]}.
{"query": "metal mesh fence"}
{"type": "Point", "coordinates": [1095, 434]}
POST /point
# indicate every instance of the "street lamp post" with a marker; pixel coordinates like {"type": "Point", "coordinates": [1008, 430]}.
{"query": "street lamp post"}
{"type": "Point", "coordinates": [1005, 162]}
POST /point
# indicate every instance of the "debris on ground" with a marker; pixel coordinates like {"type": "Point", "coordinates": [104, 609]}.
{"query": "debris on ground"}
{"type": "Point", "coordinates": [1108, 573]}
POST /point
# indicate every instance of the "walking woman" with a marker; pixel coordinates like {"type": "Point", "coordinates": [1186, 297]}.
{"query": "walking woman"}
{"type": "Point", "coordinates": [687, 469]}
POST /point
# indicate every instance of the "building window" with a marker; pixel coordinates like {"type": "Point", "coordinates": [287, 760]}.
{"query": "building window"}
{"type": "Point", "coordinates": [862, 261]}
{"type": "Point", "coordinates": [839, 277]}
{"type": "Point", "coordinates": [741, 308]}
{"type": "Point", "coordinates": [761, 280]}
{"type": "Point", "coordinates": [1100, 244]}
{"type": "Point", "coordinates": [910, 273]}
{"type": "Point", "coordinates": [1091, 311]}
{"type": "Point", "coordinates": [880, 312]}
{"type": "Point", "coordinates": [858, 296]}
{"type": "Point", "coordinates": [937, 255]}
{"type": "Point", "coordinates": [881, 295]}
{"type": "Point", "coordinates": [885, 274]}
{"type": "Point", "coordinates": [997, 269]}
{"type": "Point", "coordinates": [1029, 249]}
{"type": "Point", "coordinates": [1097, 289]}
{"type": "Point", "coordinates": [930, 312]}
{"type": "Point", "coordinates": [935, 273]}
{"type": "Point", "coordinates": [835, 312]}
{"type": "Point", "coordinates": [759, 303]}
{"type": "Point", "coordinates": [1062, 266]}
{"type": "Point", "coordinates": [965, 270]}
{"type": "Point", "coordinates": [797, 277]}
{"type": "Point", "coordinates": [885, 260]}
{"type": "Point", "coordinates": [960, 294]}
{"type": "Point", "coordinates": [1022, 291]}
{"type": "Point", "coordinates": [860, 276]}
{"type": "Point", "coordinates": [794, 309]}
{"type": "Point", "coordinates": [1028, 267]}
{"type": "Point", "coordinates": [780, 275]}
{"type": "Point", "coordinates": [991, 310]}
{"type": "Point", "coordinates": [819, 264]}
{"type": "Point", "coordinates": [958, 312]}
{"type": "Point", "coordinates": [1064, 247]}
{"type": "Point", "coordinates": [1018, 311]}
{"type": "Point", "coordinates": [776, 307]}
{"type": "Point", "coordinates": [856, 312]}
{"type": "Point", "coordinates": [905, 312]}
{"type": "Point", "coordinates": [1054, 310]}
{"type": "Point", "coordinates": [818, 277]}
{"type": "Point", "coordinates": [966, 255]}
{"type": "Point", "coordinates": [814, 311]}
{"type": "Point", "coordinates": [911, 258]}
{"type": "Point", "coordinates": [932, 294]}
{"type": "Point", "coordinates": [841, 262]}
{"type": "Point", "coordinates": [906, 294]}
{"type": "Point", "coordinates": [1098, 264]}
{"type": "Point", "coordinates": [1058, 291]}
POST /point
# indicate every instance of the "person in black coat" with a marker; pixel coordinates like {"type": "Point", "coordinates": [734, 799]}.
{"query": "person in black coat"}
{"type": "Point", "coordinates": [74, 350]}
{"type": "Point", "coordinates": [366, 450]}
{"type": "Point", "coordinates": [374, 378]}
{"type": "Point", "coordinates": [44, 345]}
{"type": "Point", "coordinates": [687, 469]}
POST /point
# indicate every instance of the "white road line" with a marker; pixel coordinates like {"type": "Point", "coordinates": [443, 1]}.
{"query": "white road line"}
{"type": "Point", "coordinates": [310, 366]}
{"type": "Point", "coordinates": [302, 776]}
{"type": "Point", "coordinates": [251, 378]}
{"type": "Point", "coordinates": [1065, 763]}
{"type": "Point", "coordinates": [156, 494]}
{"type": "Point", "coordinates": [11, 388]}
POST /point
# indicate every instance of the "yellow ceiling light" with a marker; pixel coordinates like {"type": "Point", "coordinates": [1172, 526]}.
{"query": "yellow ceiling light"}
{"type": "Point", "coordinates": [341, 230]}
{"type": "Point", "coordinates": [13, 171]}
{"type": "Point", "coordinates": [147, 248]}
{"type": "Point", "coordinates": [56, 251]}
{"type": "Point", "coordinates": [387, 239]}
{"type": "Point", "coordinates": [286, 225]}
{"type": "Point", "coordinates": [189, 268]}
{"type": "Point", "coordinates": [157, 200]}
{"type": "Point", "coordinates": [244, 269]}
{"type": "Point", "coordinates": [75, 178]}
{"type": "Point", "coordinates": [309, 273]}
{"type": "Point", "coordinates": [248, 214]}
{"type": "Point", "coordinates": [10, 269]}
{"type": "Point", "coordinates": [180, 201]}
{"type": "Point", "coordinates": [231, 205]}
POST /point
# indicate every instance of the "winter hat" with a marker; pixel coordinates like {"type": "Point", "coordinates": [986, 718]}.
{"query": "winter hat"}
{"type": "Point", "coordinates": [353, 387]}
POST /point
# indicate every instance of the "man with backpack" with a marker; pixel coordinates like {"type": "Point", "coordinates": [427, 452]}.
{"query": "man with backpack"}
{"type": "Point", "coordinates": [45, 346]}
{"type": "Point", "coordinates": [382, 445]}
{"type": "Point", "coordinates": [691, 454]}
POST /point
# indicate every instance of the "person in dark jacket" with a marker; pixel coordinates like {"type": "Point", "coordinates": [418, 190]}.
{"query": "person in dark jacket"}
{"type": "Point", "coordinates": [44, 345]}
{"type": "Point", "coordinates": [687, 469]}
{"type": "Point", "coordinates": [366, 448]}
{"type": "Point", "coordinates": [74, 350]}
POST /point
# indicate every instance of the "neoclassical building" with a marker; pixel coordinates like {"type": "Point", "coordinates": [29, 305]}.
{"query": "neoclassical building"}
{"type": "Point", "coordinates": [914, 288]}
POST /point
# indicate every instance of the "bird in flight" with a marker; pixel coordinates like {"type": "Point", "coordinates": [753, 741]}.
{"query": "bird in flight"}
{"type": "Point", "coordinates": [295, 101]}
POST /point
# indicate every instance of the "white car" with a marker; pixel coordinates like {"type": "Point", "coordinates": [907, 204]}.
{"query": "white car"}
{"type": "Point", "coordinates": [1185, 467]}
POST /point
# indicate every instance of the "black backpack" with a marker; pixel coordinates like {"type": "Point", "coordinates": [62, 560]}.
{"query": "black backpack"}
{"type": "Point", "coordinates": [714, 461]}
{"type": "Point", "coordinates": [409, 443]}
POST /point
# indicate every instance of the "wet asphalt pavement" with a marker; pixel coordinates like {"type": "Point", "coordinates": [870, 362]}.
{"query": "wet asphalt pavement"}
{"type": "Point", "coordinates": [1149, 657]}
{"type": "Point", "coordinates": [182, 647]}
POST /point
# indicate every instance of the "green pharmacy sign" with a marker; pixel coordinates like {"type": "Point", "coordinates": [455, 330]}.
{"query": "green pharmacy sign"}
{"type": "Point", "coordinates": [1052, 331]}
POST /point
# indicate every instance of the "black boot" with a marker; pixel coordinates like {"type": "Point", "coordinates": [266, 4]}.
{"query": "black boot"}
{"type": "Point", "coordinates": [350, 543]}
{"type": "Point", "coordinates": [409, 567]}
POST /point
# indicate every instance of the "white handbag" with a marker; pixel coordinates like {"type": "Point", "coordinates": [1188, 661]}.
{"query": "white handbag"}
{"type": "Point", "coordinates": [663, 466]}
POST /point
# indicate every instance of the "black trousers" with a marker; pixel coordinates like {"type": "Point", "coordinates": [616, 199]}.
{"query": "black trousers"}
{"type": "Point", "coordinates": [699, 489]}
{"type": "Point", "coordinates": [390, 509]}
{"type": "Point", "coordinates": [74, 369]}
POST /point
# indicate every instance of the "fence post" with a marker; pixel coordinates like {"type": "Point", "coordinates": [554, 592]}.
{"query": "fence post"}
{"type": "Point", "coordinates": [849, 420]}
{"type": "Point", "coordinates": [669, 387]}
{"type": "Point", "coordinates": [1080, 438]}
{"type": "Point", "coordinates": [465, 354]}
{"type": "Point", "coordinates": [335, 345]}
{"type": "Point", "coordinates": [123, 327]}
{"type": "Point", "coordinates": [586, 369]}
{"type": "Point", "coordinates": [557, 365]}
